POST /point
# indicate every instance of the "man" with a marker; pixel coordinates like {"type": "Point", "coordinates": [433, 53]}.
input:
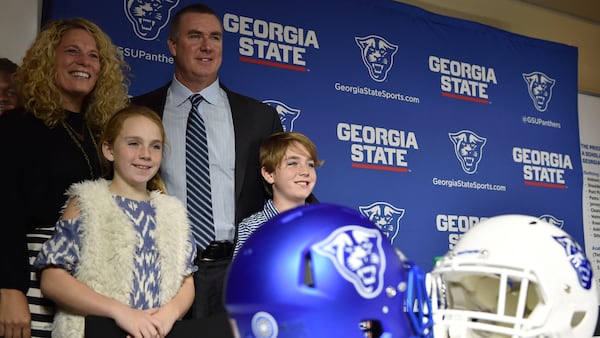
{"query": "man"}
{"type": "Point", "coordinates": [8, 96]}
{"type": "Point", "coordinates": [235, 127]}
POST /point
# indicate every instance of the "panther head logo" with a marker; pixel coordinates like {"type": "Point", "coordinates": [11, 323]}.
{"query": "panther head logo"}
{"type": "Point", "coordinates": [468, 148]}
{"type": "Point", "coordinates": [578, 260]}
{"type": "Point", "coordinates": [358, 256]}
{"type": "Point", "coordinates": [377, 55]}
{"type": "Point", "coordinates": [287, 114]}
{"type": "Point", "coordinates": [552, 220]}
{"type": "Point", "coordinates": [148, 17]}
{"type": "Point", "coordinates": [386, 216]}
{"type": "Point", "coordinates": [540, 87]}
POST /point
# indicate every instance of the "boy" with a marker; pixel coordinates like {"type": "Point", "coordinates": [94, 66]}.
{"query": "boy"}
{"type": "Point", "coordinates": [288, 162]}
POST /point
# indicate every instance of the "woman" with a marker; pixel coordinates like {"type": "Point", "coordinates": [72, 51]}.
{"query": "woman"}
{"type": "Point", "coordinates": [72, 79]}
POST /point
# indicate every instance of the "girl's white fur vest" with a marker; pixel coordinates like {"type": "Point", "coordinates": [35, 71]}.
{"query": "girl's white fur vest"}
{"type": "Point", "coordinates": [108, 248]}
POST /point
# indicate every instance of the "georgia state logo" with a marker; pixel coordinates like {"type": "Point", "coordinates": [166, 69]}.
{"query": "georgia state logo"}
{"type": "Point", "coordinates": [468, 148]}
{"type": "Point", "coordinates": [287, 114]}
{"type": "Point", "coordinates": [148, 17]}
{"type": "Point", "coordinates": [386, 216]}
{"type": "Point", "coordinates": [377, 55]}
{"type": "Point", "coordinates": [578, 260]}
{"type": "Point", "coordinates": [552, 220]}
{"type": "Point", "coordinates": [540, 87]}
{"type": "Point", "coordinates": [358, 256]}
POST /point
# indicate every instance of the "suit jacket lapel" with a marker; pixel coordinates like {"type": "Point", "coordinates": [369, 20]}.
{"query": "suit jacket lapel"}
{"type": "Point", "coordinates": [241, 133]}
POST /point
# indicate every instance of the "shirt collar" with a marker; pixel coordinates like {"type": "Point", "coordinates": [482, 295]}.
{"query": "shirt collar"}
{"type": "Point", "coordinates": [270, 209]}
{"type": "Point", "coordinates": [211, 94]}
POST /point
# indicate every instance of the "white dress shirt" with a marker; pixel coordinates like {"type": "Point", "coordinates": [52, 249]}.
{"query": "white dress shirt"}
{"type": "Point", "coordinates": [216, 112]}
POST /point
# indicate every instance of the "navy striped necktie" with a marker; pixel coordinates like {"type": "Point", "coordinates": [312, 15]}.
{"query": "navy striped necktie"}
{"type": "Point", "coordinates": [199, 202]}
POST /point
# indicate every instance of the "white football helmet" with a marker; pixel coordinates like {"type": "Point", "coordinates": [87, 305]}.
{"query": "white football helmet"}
{"type": "Point", "coordinates": [514, 276]}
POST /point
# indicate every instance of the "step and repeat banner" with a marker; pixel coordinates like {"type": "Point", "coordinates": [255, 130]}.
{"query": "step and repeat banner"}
{"type": "Point", "coordinates": [427, 124]}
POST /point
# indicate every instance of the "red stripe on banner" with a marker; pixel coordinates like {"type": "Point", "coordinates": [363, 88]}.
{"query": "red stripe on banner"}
{"type": "Point", "coordinates": [466, 98]}
{"type": "Point", "coordinates": [272, 64]}
{"type": "Point", "coordinates": [378, 167]}
{"type": "Point", "coordinates": [547, 185]}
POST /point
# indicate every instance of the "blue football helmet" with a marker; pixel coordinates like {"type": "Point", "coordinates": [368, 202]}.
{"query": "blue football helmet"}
{"type": "Point", "coordinates": [324, 270]}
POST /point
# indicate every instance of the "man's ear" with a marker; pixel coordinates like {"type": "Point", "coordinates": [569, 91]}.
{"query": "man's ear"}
{"type": "Point", "coordinates": [267, 176]}
{"type": "Point", "coordinates": [172, 46]}
{"type": "Point", "coordinates": [107, 151]}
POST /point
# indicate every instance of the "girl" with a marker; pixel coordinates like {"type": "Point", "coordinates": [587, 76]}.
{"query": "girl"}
{"type": "Point", "coordinates": [122, 248]}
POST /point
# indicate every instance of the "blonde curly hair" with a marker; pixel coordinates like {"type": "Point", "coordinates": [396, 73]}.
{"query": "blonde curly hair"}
{"type": "Point", "coordinates": [35, 80]}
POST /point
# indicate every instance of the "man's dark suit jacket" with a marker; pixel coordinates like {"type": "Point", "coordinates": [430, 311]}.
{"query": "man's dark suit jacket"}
{"type": "Point", "coordinates": [253, 121]}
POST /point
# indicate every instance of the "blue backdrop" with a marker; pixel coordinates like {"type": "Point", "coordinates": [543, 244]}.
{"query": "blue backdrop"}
{"type": "Point", "coordinates": [427, 124]}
